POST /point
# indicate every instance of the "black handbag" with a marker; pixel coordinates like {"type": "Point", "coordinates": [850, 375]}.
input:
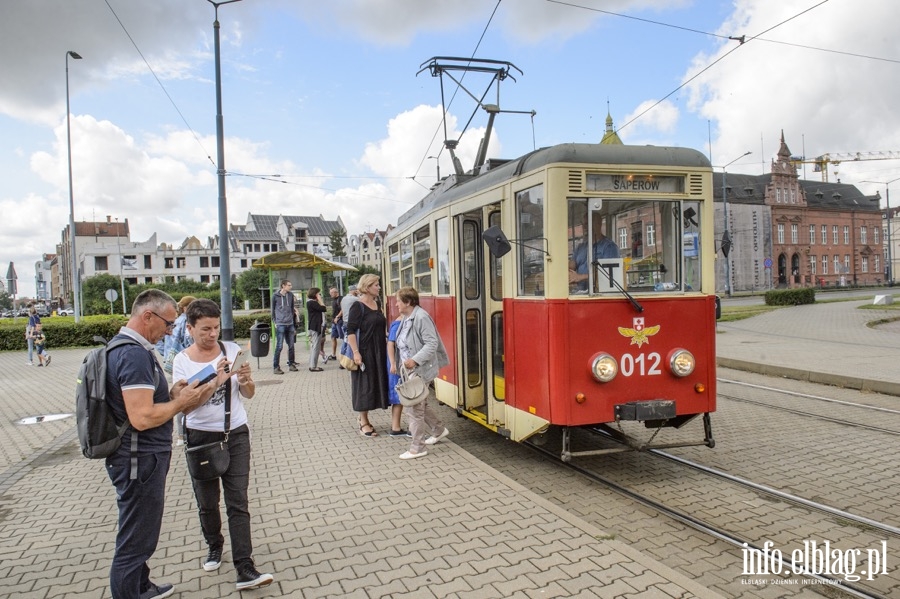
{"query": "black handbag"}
{"type": "Point", "coordinates": [210, 460]}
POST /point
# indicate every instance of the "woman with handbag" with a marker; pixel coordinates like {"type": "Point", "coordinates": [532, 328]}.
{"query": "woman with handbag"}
{"type": "Point", "coordinates": [419, 350]}
{"type": "Point", "coordinates": [221, 423]}
{"type": "Point", "coordinates": [366, 338]}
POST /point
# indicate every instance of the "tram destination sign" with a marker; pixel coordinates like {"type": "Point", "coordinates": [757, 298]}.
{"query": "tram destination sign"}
{"type": "Point", "coordinates": [635, 183]}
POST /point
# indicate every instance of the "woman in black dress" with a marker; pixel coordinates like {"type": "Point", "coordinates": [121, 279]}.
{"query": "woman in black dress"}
{"type": "Point", "coordinates": [366, 337]}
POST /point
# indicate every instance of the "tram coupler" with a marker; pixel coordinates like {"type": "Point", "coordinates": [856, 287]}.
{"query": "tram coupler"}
{"type": "Point", "coordinates": [652, 409]}
{"type": "Point", "coordinates": [707, 431]}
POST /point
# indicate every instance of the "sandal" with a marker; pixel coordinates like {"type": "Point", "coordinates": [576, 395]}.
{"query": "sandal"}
{"type": "Point", "coordinates": [370, 433]}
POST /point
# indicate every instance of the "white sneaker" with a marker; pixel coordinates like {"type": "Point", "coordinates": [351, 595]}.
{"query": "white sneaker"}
{"type": "Point", "coordinates": [409, 455]}
{"type": "Point", "coordinates": [432, 439]}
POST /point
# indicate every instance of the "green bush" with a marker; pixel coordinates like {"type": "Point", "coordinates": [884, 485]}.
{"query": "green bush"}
{"type": "Point", "coordinates": [791, 297]}
{"type": "Point", "coordinates": [62, 331]}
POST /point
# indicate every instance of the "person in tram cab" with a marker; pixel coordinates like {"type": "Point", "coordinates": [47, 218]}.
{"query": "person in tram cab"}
{"type": "Point", "coordinates": [603, 247]}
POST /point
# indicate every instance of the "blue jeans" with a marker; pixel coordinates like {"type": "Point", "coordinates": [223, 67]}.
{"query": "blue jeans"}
{"type": "Point", "coordinates": [235, 483]}
{"type": "Point", "coordinates": [141, 502]}
{"type": "Point", "coordinates": [283, 331]}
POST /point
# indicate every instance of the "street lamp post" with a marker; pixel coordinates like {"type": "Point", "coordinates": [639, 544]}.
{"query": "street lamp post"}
{"type": "Point", "coordinates": [726, 237]}
{"type": "Point", "coordinates": [76, 281]}
{"type": "Point", "coordinates": [224, 249]}
{"type": "Point", "coordinates": [887, 194]}
{"type": "Point", "coordinates": [121, 268]}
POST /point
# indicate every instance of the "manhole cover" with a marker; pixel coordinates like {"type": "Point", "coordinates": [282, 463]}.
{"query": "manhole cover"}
{"type": "Point", "coordinates": [43, 418]}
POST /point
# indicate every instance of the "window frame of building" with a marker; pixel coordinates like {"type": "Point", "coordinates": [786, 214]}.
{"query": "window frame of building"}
{"type": "Point", "coordinates": [863, 234]}
{"type": "Point", "coordinates": [101, 263]}
{"type": "Point", "coordinates": [864, 262]}
{"type": "Point", "coordinates": [812, 235]}
{"type": "Point", "coordinates": [824, 235]}
{"type": "Point", "coordinates": [813, 263]}
{"type": "Point", "coordinates": [780, 234]}
{"type": "Point", "coordinates": [824, 263]}
{"type": "Point", "coordinates": [795, 233]}
{"type": "Point", "coordinates": [846, 234]}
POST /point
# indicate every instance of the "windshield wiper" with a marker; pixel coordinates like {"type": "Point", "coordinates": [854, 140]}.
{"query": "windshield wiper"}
{"type": "Point", "coordinates": [612, 281]}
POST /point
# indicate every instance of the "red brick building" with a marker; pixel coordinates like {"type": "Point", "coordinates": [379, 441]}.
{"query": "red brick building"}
{"type": "Point", "coordinates": [789, 232]}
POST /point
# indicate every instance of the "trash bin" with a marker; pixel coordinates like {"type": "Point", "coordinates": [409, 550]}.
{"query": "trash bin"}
{"type": "Point", "coordinates": [259, 339]}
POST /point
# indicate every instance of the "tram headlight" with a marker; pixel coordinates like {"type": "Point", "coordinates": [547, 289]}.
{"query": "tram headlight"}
{"type": "Point", "coordinates": [681, 362]}
{"type": "Point", "coordinates": [604, 368]}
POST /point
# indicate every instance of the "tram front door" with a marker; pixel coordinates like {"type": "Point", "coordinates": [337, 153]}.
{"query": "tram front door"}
{"type": "Point", "coordinates": [480, 311]}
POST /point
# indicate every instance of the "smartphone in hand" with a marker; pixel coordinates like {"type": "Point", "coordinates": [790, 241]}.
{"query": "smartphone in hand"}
{"type": "Point", "coordinates": [240, 359]}
{"type": "Point", "coordinates": [204, 376]}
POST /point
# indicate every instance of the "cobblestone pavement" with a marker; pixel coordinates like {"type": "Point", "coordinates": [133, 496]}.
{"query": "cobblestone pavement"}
{"type": "Point", "coordinates": [337, 515]}
{"type": "Point", "coordinates": [334, 514]}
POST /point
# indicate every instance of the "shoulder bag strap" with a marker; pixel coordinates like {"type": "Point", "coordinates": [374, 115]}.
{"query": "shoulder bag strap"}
{"type": "Point", "coordinates": [227, 428]}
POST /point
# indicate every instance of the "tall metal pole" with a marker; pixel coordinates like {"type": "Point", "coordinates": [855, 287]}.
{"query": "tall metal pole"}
{"type": "Point", "coordinates": [224, 246]}
{"type": "Point", "coordinates": [76, 280]}
{"type": "Point", "coordinates": [725, 234]}
{"type": "Point", "coordinates": [121, 266]}
{"type": "Point", "coordinates": [890, 276]}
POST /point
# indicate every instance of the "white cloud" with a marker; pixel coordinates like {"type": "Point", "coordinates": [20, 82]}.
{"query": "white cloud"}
{"type": "Point", "coordinates": [826, 101]}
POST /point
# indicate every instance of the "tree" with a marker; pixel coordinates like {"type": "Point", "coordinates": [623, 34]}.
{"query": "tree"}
{"type": "Point", "coordinates": [248, 284]}
{"type": "Point", "coordinates": [5, 300]}
{"type": "Point", "coordinates": [93, 290]}
{"type": "Point", "coordinates": [336, 244]}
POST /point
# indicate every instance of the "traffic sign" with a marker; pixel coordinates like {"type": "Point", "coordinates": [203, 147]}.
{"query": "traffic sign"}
{"type": "Point", "coordinates": [768, 263]}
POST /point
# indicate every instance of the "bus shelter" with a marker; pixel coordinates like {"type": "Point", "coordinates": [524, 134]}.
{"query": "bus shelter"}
{"type": "Point", "coordinates": [302, 269]}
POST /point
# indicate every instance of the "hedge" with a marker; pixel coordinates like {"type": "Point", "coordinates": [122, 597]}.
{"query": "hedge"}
{"type": "Point", "coordinates": [62, 331]}
{"type": "Point", "coordinates": [791, 297]}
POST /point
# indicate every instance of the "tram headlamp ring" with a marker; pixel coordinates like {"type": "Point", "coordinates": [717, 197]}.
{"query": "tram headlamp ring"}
{"type": "Point", "coordinates": [681, 362]}
{"type": "Point", "coordinates": [604, 367]}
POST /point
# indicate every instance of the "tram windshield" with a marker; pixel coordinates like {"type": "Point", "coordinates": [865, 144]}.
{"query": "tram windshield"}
{"type": "Point", "coordinates": [636, 245]}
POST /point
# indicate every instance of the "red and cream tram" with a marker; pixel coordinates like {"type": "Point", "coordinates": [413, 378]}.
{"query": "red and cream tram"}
{"type": "Point", "coordinates": [573, 287]}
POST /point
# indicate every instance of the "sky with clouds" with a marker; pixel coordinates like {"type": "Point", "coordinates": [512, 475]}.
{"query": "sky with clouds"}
{"type": "Point", "coordinates": [326, 112]}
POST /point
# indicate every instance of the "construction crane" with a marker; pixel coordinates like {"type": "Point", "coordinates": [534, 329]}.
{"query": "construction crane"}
{"type": "Point", "coordinates": [821, 162]}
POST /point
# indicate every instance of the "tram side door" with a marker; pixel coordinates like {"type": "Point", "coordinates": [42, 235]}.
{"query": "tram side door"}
{"type": "Point", "coordinates": [481, 318]}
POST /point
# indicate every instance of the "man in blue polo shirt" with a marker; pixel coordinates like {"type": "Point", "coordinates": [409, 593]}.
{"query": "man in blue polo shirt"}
{"type": "Point", "coordinates": [602, 248]}
{"type": "Point", "coordinates": [137, 389]}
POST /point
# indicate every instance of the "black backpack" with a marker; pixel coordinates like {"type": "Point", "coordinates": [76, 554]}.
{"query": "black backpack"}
{"type": "Point", "coordinates": [98, 433]}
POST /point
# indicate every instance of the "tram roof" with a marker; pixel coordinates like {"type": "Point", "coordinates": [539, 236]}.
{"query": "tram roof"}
{"type": "Point", "coordinates": [456, 186]}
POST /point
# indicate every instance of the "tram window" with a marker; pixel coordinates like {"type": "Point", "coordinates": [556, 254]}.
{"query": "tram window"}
{"type": "Point", "coordinates": [394, 257]}
{"type": "Point", "coordinates": [470, 260]}
{"type": "Point", "coordinates": [692, 260]}
{"type": "Point", "coordinates": [496, 264]}
{"type": "Point", "coordinates": [473, 348]}
{"type": "Point", "coordinates": [497, 355]}
{"type": "Point", "coordinates": [646, 235]}
{"type": "Point", "coordinates": [406, 262]}
{"type": "Point", "coordinates": [442, 252]}
{"type": "Point", "coordinates": [530, 223]}
{"type": "Point", "coordinates": [422, 253]}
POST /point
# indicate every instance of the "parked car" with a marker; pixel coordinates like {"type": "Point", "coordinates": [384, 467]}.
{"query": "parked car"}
{"type": "Point", "coordinates": [65, 312]}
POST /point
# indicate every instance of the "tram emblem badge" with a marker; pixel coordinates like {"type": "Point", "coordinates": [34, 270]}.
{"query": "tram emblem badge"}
{"type": "Point", "coordinates": [639, 333]}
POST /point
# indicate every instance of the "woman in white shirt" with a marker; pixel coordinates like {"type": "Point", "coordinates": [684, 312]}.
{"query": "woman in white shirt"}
{"type": "Point", "coordinates": [206, 424]}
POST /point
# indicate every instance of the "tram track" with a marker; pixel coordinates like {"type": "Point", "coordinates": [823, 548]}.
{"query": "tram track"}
{"type": "Point", "coordinates": [744, 542]}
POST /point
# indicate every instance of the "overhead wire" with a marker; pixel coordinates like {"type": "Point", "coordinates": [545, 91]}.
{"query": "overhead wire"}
{"type": "Point", "coordinates": [160, 83]}
{"type": "Point", "coordinates": [453, 97]}
{"type": "Point", "coordinates": [742, 41]}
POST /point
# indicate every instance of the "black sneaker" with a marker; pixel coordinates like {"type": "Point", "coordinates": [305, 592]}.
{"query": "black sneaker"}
{"type": "Point", "coordinates": [400, 433]}
{"type": "Point", "coordinates": [157, 591]}
{"type": "Point", "coordinates": [278, 370]}
{"type": "Point", "coordinates": [213, 559]}
{"type": "Point", "coordinates": [249, 578]}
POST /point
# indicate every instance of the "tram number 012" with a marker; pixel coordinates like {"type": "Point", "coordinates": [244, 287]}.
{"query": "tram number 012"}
{"type": "Point", "coordinates": [640, 365]}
